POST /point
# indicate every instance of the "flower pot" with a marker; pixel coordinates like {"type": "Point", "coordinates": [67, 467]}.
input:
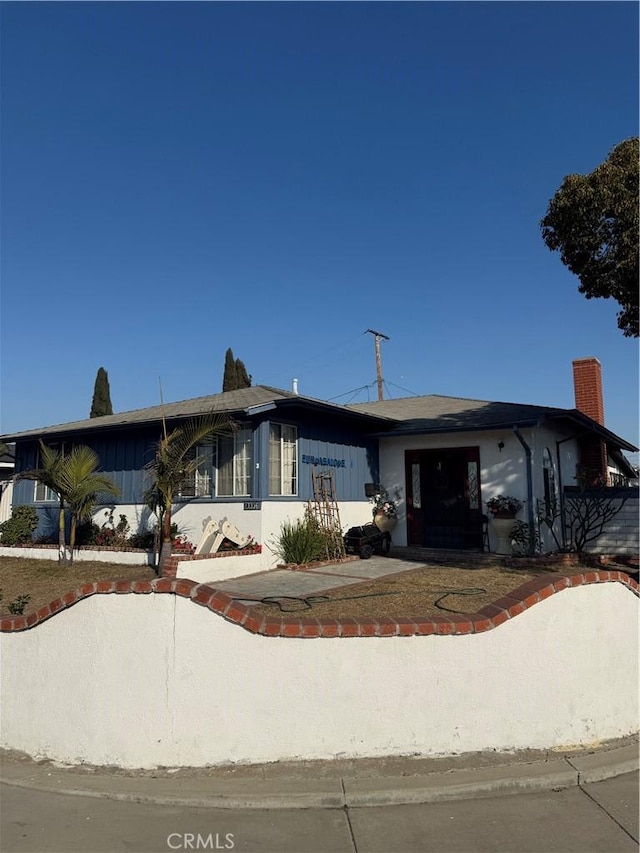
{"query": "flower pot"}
{"type": "Point", "coordinates": [503, 526]}
{"type": "Point", "coordinates": [385, 523]}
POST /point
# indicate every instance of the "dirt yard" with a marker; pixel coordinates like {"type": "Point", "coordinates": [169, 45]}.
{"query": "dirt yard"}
{"type": "Point", "coordinates": [428, 590]}
{"type": "Point", "coordinates": [45, 580]}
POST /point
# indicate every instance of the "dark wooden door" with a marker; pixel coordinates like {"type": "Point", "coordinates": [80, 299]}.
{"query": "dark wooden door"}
{"type": "Point", "coordinates": [443, 498]}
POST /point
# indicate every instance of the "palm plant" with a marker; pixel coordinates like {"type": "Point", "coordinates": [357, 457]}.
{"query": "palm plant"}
{"type": "Point", "coordinates": [83, 483]}
{"type": "Point", "coordinates": [48, 474]}
{"type": "Point", "coordinates": [76, 482]}
{"type": "Point", "coordinates": [173, 465]}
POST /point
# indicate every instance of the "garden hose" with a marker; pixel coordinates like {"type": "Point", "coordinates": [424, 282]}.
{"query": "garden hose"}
{"type": "Point", "coordinates": [306, 603]}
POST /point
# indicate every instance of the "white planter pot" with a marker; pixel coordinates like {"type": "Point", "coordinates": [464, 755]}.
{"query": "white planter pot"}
{"type": "Point", "coordinates": [384, 523]}
{"type": "Point", "coordinates": [503, 528]}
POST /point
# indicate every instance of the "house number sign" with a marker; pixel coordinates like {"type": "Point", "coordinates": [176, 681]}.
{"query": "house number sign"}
{"type": "Point", "coordinates": [251, 505]}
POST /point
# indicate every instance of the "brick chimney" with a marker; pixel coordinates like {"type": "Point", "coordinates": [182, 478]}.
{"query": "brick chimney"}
{"type": "Point", "coordinates": [587, 384]}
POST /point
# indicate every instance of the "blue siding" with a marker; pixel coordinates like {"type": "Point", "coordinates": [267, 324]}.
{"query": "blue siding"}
{"type": "Point", "coordinates": [124, 454]}
{"type": "Point", "coordinates": [351, 457]}
{"type": "Point", "coordinates": [122, 457]}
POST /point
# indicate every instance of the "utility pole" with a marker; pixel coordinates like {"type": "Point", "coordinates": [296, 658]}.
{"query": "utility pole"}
{"type": "Point", "coordinates": [378, 336]}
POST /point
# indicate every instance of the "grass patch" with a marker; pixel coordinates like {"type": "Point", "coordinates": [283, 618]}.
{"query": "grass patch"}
{"type": "Point", "coordinates": [45, 580]}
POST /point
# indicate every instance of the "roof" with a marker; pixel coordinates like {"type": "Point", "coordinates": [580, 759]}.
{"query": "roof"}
{"type": "Point", "coordinates": [404, 416]}
{"type": "Point", "coordinates": [624, 466]}
{"type": "Point", "coordinates": [438, 414]}
{"type": "Point", "coordinates": [433, 413]}
{"type": "Point", "coordinates": [245, 401]}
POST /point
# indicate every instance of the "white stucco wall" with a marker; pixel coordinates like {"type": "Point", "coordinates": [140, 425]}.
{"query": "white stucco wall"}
{"type": "Point", "coordinates": [275, 513]}
{"type": "Point", "coordinates": [128, 558]}
{"type": "Point", "coordinates": [502, 471]}
{"type": "Point", "coordinates": [262, 524]}
{"type": "Point", "coordinates": [219, 568]}
{"type": "Point", "coordinates": [121, 679]}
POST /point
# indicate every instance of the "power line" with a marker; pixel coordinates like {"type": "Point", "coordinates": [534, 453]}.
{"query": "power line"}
{"type": "Point", "coordinates": [353, 392]}
{"type": "Point", "coordinates": [298, 370]}
{"type": "Point", "coordinates": [408, 390]}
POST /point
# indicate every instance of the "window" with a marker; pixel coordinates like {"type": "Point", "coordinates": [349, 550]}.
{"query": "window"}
{"type": "Point", "coordinates": [203, 475]}
{"type": "Point", "coordinates": [44, 493]}
{"type": "Point", "coordinates": [230, 458]}
{"type": "Point", "coordinates": [234, 463]}
{"type": "Point", "coordinates": [200, 483]}
{"type": "Point", "coordinates": [472, 480]}
{"type": "Point", "coordinates": [549, 480]}
{"type": "Point", "coordinates": [283, 460]}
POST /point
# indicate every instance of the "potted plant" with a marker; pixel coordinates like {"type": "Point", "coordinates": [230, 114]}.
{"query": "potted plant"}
{"type": "Point", "coordinates": [385, 511]}
{"type": "Point", "coordinates": [504, 508]}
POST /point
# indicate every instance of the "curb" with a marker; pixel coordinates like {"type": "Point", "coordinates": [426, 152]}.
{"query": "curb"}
{"type": "Point", "coordinates": [338, 792]}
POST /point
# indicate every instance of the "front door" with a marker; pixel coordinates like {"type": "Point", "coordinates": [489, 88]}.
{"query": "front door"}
{"type": "Point", "coordinates": [443, 498]}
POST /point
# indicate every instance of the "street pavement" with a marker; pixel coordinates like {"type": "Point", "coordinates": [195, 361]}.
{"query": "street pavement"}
{"type": "Point", "coordinates": [601, 816]}
{"type": "Point", "coordinates": [530, 802]}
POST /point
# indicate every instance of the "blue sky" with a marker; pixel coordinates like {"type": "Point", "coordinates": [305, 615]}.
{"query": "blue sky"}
{"type": "Point", "coordinates": [179, 178]}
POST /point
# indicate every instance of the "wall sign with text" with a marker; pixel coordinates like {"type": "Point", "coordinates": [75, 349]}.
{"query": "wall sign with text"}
{"type": "Point", "coordinates": [323, 460]}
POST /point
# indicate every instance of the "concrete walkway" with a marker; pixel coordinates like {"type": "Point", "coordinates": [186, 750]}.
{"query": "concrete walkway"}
{"type": "Point", "coordinates": [332, 784]}
{"type": "Point", "coordinates": [282, 583]}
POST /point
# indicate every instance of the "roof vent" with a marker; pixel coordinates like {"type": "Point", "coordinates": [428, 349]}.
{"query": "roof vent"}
{"type": "Point", "coordinates": [294, 386]}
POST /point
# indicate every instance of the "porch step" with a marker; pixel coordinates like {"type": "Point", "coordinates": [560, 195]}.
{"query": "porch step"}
{"type": "Point", "coordinates": [444, 557]}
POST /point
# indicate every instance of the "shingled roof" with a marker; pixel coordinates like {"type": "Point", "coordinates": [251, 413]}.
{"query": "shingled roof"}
{"type": "Point", "coordinates": [405, 416]}
{"type": "Point", "coordinates": [433, 412]}
{"type": "Point", "coordinates": [245, 401]}
{"type": "Point", "coordinates": [438, 414]}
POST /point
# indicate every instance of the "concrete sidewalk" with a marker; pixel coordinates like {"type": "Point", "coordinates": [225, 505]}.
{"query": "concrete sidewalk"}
{"type": "Point", "coordinates": [332, 784]}
{"type": "Point", "coordinates": [286, 583]}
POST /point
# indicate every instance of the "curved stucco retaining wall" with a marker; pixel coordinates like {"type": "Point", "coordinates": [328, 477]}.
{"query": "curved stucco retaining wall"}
{"type": "Point", "coordinates": [154, 679]}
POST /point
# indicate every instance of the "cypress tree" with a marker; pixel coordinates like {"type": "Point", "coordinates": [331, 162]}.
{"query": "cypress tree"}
{"type": "Point", "coordinates": [235, 373]}
{"type": "Point", "coordinates": [101, 403]}
{"type": "Point", "coordinates": [229, 381]}
{"type": "Point", "coordinates": [242, 377]}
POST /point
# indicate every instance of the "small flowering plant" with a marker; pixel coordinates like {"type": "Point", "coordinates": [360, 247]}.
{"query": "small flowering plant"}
{"type": "Point", "coordinates": [181, 544]}
{"type": "Point", "coordinates": [384, 504]}
{"type": "Point", "coordinates": [504, 505]}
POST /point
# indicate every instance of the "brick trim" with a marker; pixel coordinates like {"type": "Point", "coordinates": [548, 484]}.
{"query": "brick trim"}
{"type": "Point", "coordinates": [54, 546]}
{"type": "Point", "coordinates": [203, 595]}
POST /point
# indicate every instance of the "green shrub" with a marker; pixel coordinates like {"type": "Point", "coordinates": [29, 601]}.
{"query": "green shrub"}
{"type": "Point", "coordinates": [19, 529]}
{"type": "Point", "coordinates": [87, 533]}
{"type": "Point", "coordinates": [302, 541]}
{"type": "Point", "coordinates": [17, 606]}
{"type": "Point", "coordinates": [521, 539]}
{"type": "Point", "coordinates": [144, 540]}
